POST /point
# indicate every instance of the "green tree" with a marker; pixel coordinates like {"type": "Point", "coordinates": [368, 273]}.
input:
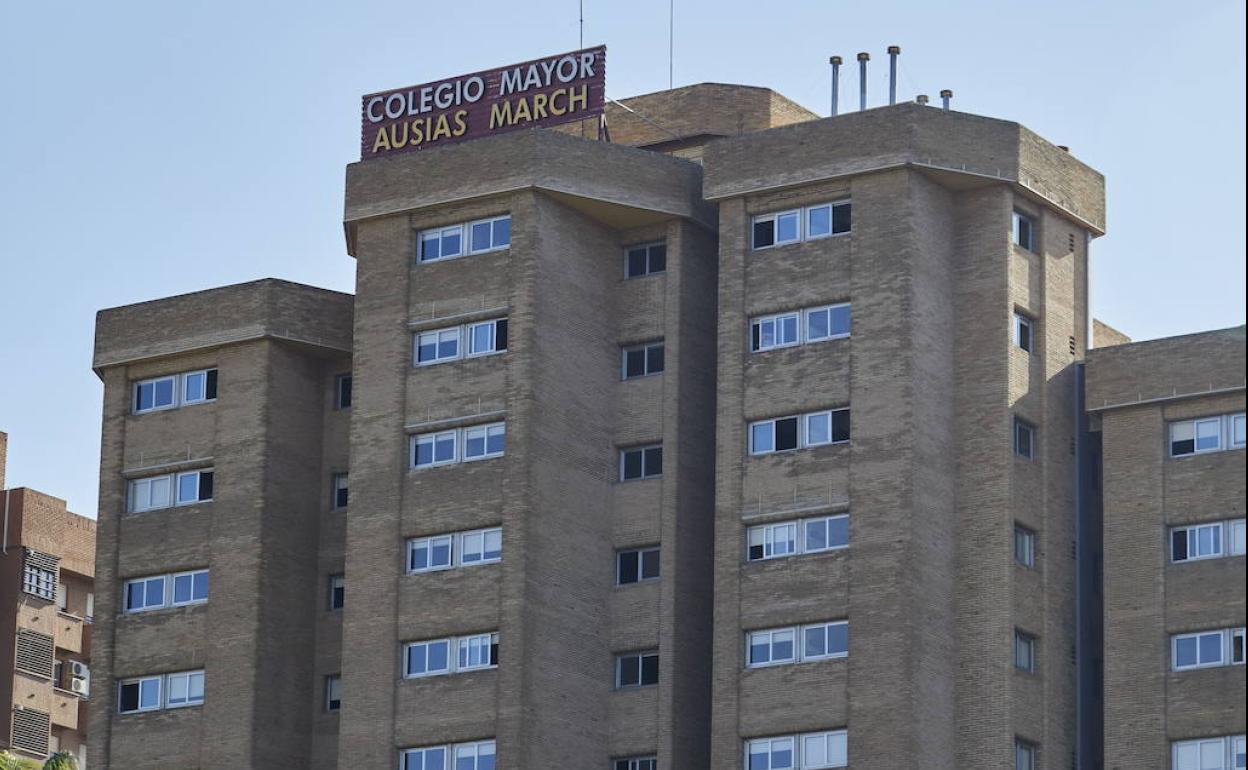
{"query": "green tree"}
{"type": "Point", "coordinates": [61, 760]}
{"type": "Point", "coordinates": [11, 762]}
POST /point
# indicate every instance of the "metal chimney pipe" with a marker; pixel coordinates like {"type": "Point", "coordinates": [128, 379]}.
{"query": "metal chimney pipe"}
{"type": "Point", "coordinates": [863, 58]}
{"type": "Point", "coordinates": [921, 99]}
{"type": "Point", "coordinates": [945, 96]}
{"type": "Point", "coordinates": [835, 61]}
{"type": "Point", "coordinates": [893, 50]}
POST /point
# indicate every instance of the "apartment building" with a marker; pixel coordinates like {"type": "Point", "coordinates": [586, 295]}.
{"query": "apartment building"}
{"type": "Point", "coordinates": [222, 518]}
{"type": "Point", "coordinates": [1169, 419]}
{"type": "Point", "coordinates": [47, 569]}
{"type": "Point", "coordinates": [745, 439]}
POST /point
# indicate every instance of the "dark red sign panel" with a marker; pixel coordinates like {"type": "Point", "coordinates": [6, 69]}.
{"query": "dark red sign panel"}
{"type": "Point", "coordinates": [542, 92]}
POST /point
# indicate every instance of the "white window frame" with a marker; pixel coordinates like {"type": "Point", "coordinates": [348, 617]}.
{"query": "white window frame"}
{"type": "Point", "coordinates": [1226, 426]}
{"type": "Point", "coordinates": [333, 692]}
{"type": "Point", "coordinates": [1027, 537]}
{"type": "Point", "coordinates": [413, 544]}
{"type": "Point", "coordinates": [464, 648]}
{"type": "Point", "coordinates": [174, 480]}
{"type": "Point", "coordinates": [1028, 749]}
{"type": "Point", "coordinates": [635, 763]}
{"type": "Point", "coordinates": [488, 431]}
{"type": "Point", "coordinates": [644, 349]}
{"type": "Point", "coordinates": [1024, 322]}
{"type": "Point", "coordinates": [434, 438]}
{"type": "Point", "coordinates": [648, 247]}
{"type": "Point", "coordinates": [803, 431]}
{"type": "Point", "coordinates": [459, 556]}
{"type": "Point", "coordinates": [798, 633]}
{"type": "Point", "coordinates": [450, 752]}
{"type": "Point", "coordinates": [827, 635]}
{"type": "Point", "coordinates": [163, 687]}
{"type": "Point", "coordinates": [641, 557]}
{"type": "Point", "coordinates": [1228, 745]}
{"type": "Point", "coordinates": [1023, 425]}
{"type": "Point", "coordinates": [640, 656]}
{"type": "Point", "coordinates": [339, 482]}
{"type": "Point", "coordinates": [336, 582]}
{"type": "Point", "coordinates": [190, 678]}
{"type": "Point", "coordinates": [39, 581]}
{"type": "Point", "coordinates": [340, 386]}
{"type": "Point", "coordinates": [139, 680]}
{"type": "Point", "coordinates": [1025, 645]}
{"type": "Point", "coordinates": [464, 230]}
{"type": "Point", "coordinates": [456, 331]}
{"type": "Point", "coordinates": [1226, 648]}
{"type": "Point", "coordinates": [178, 385]}
{"type": "Point", "coordinates": [479, 749]}
{"type": "Point", "coordinates": [774, 319]}
{"type": "Point", "coordinates": [168, 596]}
{"type": "Point", "coordinates": [806, 337]}
{"type": "Point", "coordinates": [469, 343]}
{"type": "Point", "coordinates": [624, 452]}
{"type": "Point", "coordinates": [803, 224]}
{"type": "Point", "coordinates": [801, 546]}
{"type": "Point", "coordinates": [1016, 235]}
{"type": "Point", "coordinates": [797, 748]}
{"type": "Point", "coordinates": [453, 644]}
{"type": "Point", "coordinates": [767, 637]}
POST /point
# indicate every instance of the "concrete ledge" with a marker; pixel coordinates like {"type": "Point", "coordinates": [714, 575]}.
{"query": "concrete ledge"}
{"type": "Point", "coordinates": [1167, 369]}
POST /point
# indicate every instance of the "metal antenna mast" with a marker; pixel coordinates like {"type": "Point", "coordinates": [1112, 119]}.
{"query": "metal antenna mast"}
{"type": "Point", "coordinates": [582, 45]}
{"type": "Point", "coordinates": [671, 42]}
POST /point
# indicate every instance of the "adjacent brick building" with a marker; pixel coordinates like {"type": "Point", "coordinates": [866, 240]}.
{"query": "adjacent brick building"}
{"type": "Point", "coordinates": [47, 569]}
{"type": "Point", "coordinates": [1169, 415]}
{"type": "Point", "coordinates": [747, 439]}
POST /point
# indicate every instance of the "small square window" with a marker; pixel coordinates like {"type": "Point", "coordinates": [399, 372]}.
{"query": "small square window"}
{"type": "Point", "coordinates": [643, 360]}
{"type": "Point", "coordinates": [637, 670]}
{"type": "Point", "coordinates": [641, 463]}
{"type": "Point", "coordinates": [634, 566]}
{"type": "Point", "coordinates": [646, 259]}
{"type": "Point", "coordinates": [430, 553]}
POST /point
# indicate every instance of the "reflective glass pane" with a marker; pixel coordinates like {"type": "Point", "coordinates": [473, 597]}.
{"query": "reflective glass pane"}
{"type": "Point", "coordinates": [838, 639]}
{"type": "Point", "coordinates": [424, 451]}
{"type": "Point", "coordinates": [838, 531]}
{"type": "Point", "coordinates": [782, 645]}
{"type": "Point", "coordinates": [760, 648]}
{"type": "Point", "coordinates": [440, 553]}
{"type": "Point", "coordinates": [502, 231]}
{"type": "Point", "coordinates": [817, 325]}
{"type": "Point", "coordinates": [149, 693]}
{"type": "Point", "coordinates": [819, 221]}
{"type": "Point", "coordinates": [481, 236]}
{"type": "Point", "coordinates": [430, 246]}
{"type": "Point", "coordinates": [816, 535]}
{"type": "Point", "coordinates": [451, 242]}
{"type": "Point", "coordinates": [200, 588]}
{"type": "Point", "coordinates": [474, 442]}
{"type": "Point", "coordinates": [1185, 650]}
{"type": "Point", "coordinates": [444, 449]}
{"type": "Point", "coordinates": [188, 487]}
{"type": "Point", "coordinates": [177, 690]}
{"type": "Point", "coordinates": [786, 227]}
{"type": "Point", "coordinates": [1211, 648]}
{"type": "Point", "coordinates": [193, 387]}
{"type": "Point", "coordinates": [761, 437]}
{"type": "Point", "coordinates": [163, 392]}
{"type": "Point", "coordinates": [439, 656]}
{"type": "Point", "coordinates": [788, 330]}
{"type": "Point", "coordinates": [182, 588]}
{"type": "Point", "coordinates": [816, 642]}
{"type": "Point", "coordinates": [482, 338]}
{"type": "Point", "coordinates": [448, 344]}
{"type": "Point", "coordinates": [818, 428]}
{"type": "Point", "coordinates": [496, 440]}
{"type": "Point", "coordinates": [840, 320]}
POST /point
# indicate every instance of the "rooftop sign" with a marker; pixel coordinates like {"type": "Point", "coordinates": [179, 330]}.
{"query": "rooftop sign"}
{"type": "Point", "coordinates": [542, 92]}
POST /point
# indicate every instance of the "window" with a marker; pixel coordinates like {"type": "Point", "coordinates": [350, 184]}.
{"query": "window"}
{"type": "Point", "coordinates": [786, 538]}
{"type": "Point", "coordinates": [638, 669]}
{"type": "Point", "coordinates": [478, 442]}
{"type": "Point", "coordinates": [339, 491]}
{"type": "Point", "coordinates": [1022, 332]}
{"type": "Point", "coordinates": [484, 441]}
{"type": "Point", "coordinates": [1222, 753]}
{"type": "Point", "coordinates": [1206, 649]}
{"type": "Point", "coordinates": [1024, 546]}
{"type": "Point", "coordinates": [797, 644]}
{"type": "Point", "coordinates": [1024, 755]}
{"type": "Point", "coordinates": [784, 433]}
{"type": "Point", "coordinates": [479, 651]}
{"type": "Point", "coordinates": [635, 763]}
{"type": "Point", "coordinates": [777, 331]}
{"type": "Point", "coordinates": [645, 259]}
{"type": "Point", "coordinates": [430, 553]}
{"type": "Point", "coordinates": [1024, 652]}
{"type": "Point", "coordinates": [342, 391]}
{"type": "Point", "coordinates": [39, 581]}
{"type": "Point", "coordinates": [159, 491]}
{"type": "Point", "coordinates": [175, 390]}
{"type": "Point", "coordinates": [641, 463]}
{"type": "Point", "coordinates": [1024, 231]}
{"type": "Point", "coordinates": [333, 692]}
{"type": "Point", "coordinates": [477, 755]}
{"type": "Point", "coordinates": [467, 238]}
{"type": "Point", "coordinates": [469, 341]}
{"type": "Point", "coordinates": [810, 751]}
{"type": "Point", "coordinates": [449, 656]}
{"type": "Point", "coordinates": [636, 565]}
{"type": "Point", "coordinates": [1024, 439]}
{"type": "Point", "coordinates": [1206, 434]}
{"type": "Point", "coordinates": [337, 591]}
{"type": "Point", "coordinates": [184, 689]}
{"type": "Point", "coordinates": [168, 691]}
{"type": "Point", "coordinates": [176, 590]}
{"type": "Point", "coordinates": [481, 547]}
{"type": "Point", "coordinates": [827, 323]}
{"type": "Point", "coordinates": [809, 223]}
{"type": "Point", "coordinates": [1207, 541]}
{"type": "Point", "coordinates": [642, 360]}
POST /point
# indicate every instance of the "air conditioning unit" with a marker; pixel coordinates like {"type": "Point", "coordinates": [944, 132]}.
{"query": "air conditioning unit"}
{"type": "Point", "coordinates": [79, 670]}
{"type": "Point", "coordinates": [80, 687]}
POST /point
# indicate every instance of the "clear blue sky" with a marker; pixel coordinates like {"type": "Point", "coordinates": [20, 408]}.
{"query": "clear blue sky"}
{"type": "Point", "coordinates": [154, 148]}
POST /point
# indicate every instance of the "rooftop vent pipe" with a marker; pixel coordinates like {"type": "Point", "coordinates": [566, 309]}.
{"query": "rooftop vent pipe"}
{"type": "Point", "coordinates": [835, 61]}
{"type": "Point", "coordinates": [863, 58]}
{"type": "Point", "coordinates": [921, 99]}
{"type": "Point", "coordinates": [893, 50]}
{"type": "Point", "coordinates": [945, 96]}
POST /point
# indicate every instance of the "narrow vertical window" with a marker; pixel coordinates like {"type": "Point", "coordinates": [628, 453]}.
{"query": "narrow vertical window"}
{"type": "Point", "coordinates": [1024, 652]}
{"type": "Point", "coordinates": [337, 591]}
{"type": "Point", "coordinates": [1024, 439]}
{"type": "Point", "coordinates": [1024, 755]}
{"type": "Point", "coordinates": [333, 692]}
{"type": "Point", "coordinates": [1023, 332]}
{"type": "Point", "coordinates": [1024, 546]}
{"type": "Point", "coordinates": [339, 491]}
{"type": "Point", "coordinates": [342, 391]}
{"type": "Point", "coordinates": [1024, 231]}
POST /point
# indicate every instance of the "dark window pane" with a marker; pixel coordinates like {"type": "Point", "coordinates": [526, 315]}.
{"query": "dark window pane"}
{"type": "Point", "coordinates": [654, 461]}
{"type": "Point", "coordinates": [205, 484]}
{"type": "Point", "coordinates": [500, 335]}
{"type": "Point", "coordinates": [494, 653]}
{"type": "Point", "coordinates": [756, 552]}
{"type": "Point", "coordinates": [838, 532]}
{"type": "Point", "coordinates": [502, 231]}
{"type": "Point", "coordinates": [754, 341]}
{"type": "Point", "coordinates": [840, 425]}
{"type": "Point", "coordinates": [1178, 545]}
{"type": "Point", "coordinates": [654, 359]}
{"type": "Point", "coordinates": [130, 696]}
{"type": "Point", "coordinates": [649, 565]}
{"type": "Point", "coordinates": [650, 669]}
{"type": "Point", "coordinates": [840, 218]}
{"type": "Point", "coordinates": [786, 434]}
{"type": "Point", "coordinates": [636, 262]}
{"type": "Point", "coordinates": [634, 363]}
{"type": "Point", "coordinates": [621, 764]}
{"type": "Point", "coordinates": [658, 257]}
{"type": "Point", "coordinates": [628, 567]}
{"type": "Point", "coordinates": [340, 497]}
{"type": "Point", "coordinates": [632, 464]}
{"type": "Point", "coordinates": [1185, 447]}
{"type": "Point", "coordinates": [764, 233]}
{"type": "Point", "coordinates": [140, 402]}
{"type": "Point", "coordinates": [210, 385]}
{"type": "Point", "coordinates": [630, 670]}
